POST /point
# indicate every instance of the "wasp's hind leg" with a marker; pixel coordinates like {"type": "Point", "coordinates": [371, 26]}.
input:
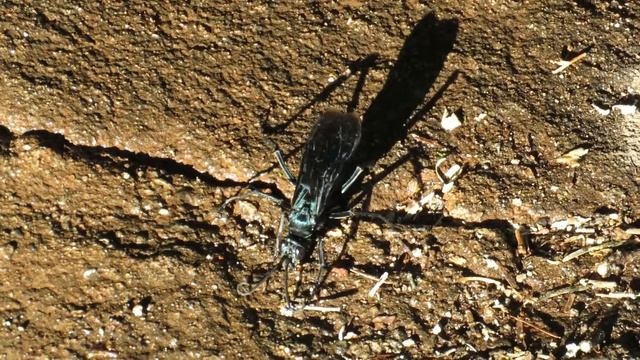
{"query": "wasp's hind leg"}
{"type": "Point", "coordinates": [354, 177]}
{"type": "Point", "coordinates": [322, 271]}
{"type": "Point", "coordinates": [276, 250]}
{"type": "Point", "coordinates": [366, 215]}
{"type": "Point", "coordinates": [278, 201]}
{"type": "Point", "coordinates": [283, 166]}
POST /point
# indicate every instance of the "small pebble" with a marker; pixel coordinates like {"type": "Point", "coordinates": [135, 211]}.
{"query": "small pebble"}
{"type": "Point", "coordinates": [138, 310]}
{"type": "Point", "coordinates": [88, 273]}
{"type": "Point", "coordinates": [602, 269]}
{"type": "Point", "coordinates": [408, 343]}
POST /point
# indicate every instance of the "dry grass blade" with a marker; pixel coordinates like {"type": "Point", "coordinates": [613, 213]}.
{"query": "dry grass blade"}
{"type": "Point", "coordinates": [590, 249]}
{"type": "Point", "coordinates": [563, 64]}
{"type": "Point", "coordinates": [534, 326]}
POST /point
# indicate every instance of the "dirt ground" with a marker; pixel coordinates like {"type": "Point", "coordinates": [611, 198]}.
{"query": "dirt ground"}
{"type": "Point", "coordinates": [125, 125]}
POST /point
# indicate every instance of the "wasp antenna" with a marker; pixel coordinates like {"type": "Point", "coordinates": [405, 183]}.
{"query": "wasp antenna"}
{"type": "Point", "coordinates": [245, 289]}
{"type": "Point", "coordinates": [286, 283]}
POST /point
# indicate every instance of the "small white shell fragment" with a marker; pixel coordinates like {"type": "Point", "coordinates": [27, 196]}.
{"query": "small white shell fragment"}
{"type": "Point", "coordinates": [632, 231]}
{"type": "Point", "coordinates": [585, 346]}
{"type": "Point", "coordinates": [602, 269]}
{"type": "Point", "coordinates": [163, 212]}
{"type": "Point", "coordinates": [436, 329]}
{"type": "Point", "coordinates": [571, 158]}
{"type": "Point", "coordinates": [88, 273]}
{"type": "Point", "coordinates": [491, 264]}
{"type": "Point", "coordinates": [517, 202]}
{"type": "Point", "coordinates": [480, 117]}
{"type": "Point", "coordinates": [138, 310]}
{"type": "Point", "coordinates": [334, 233]}
{"type": "Point", "coordinates": [287, 311]}
{"type": "Point", "coordinates": [560, 225]}
{"type": "Point", "coordinates": [412, 208]}
{"type": "Point", "coordinates": [625, 109]}
{"type": "Point", "coordinates": [457, 260]}
{"type": "Point", "coordinates": [601, 111]}
{"type": "Point", "coordinates": [350, 335]}
{"type": "Point", "coordinates": [447, 187]}
{"type": "Point", "coordinates": [449, 121]}
{"type": "Point", "coordinates": [377, 286]}
{"type": "Point", "coordinates": [453, 172]}
{"type": "Point", "coordinates": [409, 342]}
{"type": "Point", "coordinates": [572, 350]}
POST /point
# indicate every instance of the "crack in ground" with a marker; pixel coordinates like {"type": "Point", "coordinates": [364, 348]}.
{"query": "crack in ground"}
{"type": "Point", "coordinates": [108, 156]}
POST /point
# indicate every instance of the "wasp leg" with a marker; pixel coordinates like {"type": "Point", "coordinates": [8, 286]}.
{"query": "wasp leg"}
{"type": "Point", "coordinates": [284, 167]}
{"type": "Point", "coordinates": [361, 214]}
{"type": "Point", "coordinates": [279, 234]}
{"type": "Point", "coordinates": [280, 202]}
{"type": "Point", "coordinates": [356, 174]}
{"type": "Point", "coordinates": [286, 283]}
{"type": "Point", "coordinates": [322, 269]}
{"type": "Point", "coordinates": [245, 288]}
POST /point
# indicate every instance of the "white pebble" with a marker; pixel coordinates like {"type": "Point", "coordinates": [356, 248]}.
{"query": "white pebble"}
{"type": "Point", "coordinates": [408, 343]}
{"type": "Point", "coordinates": [334, 233]}
{"type": "Point", "coordinates": [138, 310]}
{"type": "Point", "coordinates": [601, 111]}
{"type": "Point", "coordinates": [286, 311]}
{"type": "Point", "coordinates": [449, 122]}
{"type": "Point", "coordinates": [163, 212]}
{"type": "Point", "coordinates": [349, 335]}
{"type": "Point", "coordinates": [572, 350]}
{"type": "Point", "coordinates": [602, 269]}
{"type": "Point", "coordinates": [625, 109]}
{"type": "Point", "coordinates": [88, 273]}
{"type": "Point", "coordinates": [436, 329]}
{"type": "Point", "coordinates": [491, 264]}
{"type": "Point", "coordinates": [585, 346]}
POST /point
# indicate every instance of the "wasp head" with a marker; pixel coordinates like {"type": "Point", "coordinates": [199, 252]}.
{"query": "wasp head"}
{"type": "Point", "coordinates": [293, 250]}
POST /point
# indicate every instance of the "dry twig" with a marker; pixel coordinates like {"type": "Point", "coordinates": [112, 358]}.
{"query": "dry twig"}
{"type": "Point", "coordinates": [590, 249]}
{"type": "Point", "coordinates": [534, 326]}
{"type": "Point", "coordinates": [566, 63]}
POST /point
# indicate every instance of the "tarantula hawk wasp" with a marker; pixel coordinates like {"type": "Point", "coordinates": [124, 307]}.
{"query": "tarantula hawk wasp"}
{"type": "Point", "coordinates": [329, 148]}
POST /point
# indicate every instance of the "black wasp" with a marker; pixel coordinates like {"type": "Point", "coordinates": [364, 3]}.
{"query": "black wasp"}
{"type": "Point", "coordinates": [331, 145]}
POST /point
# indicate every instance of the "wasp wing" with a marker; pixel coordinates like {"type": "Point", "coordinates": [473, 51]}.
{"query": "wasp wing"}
{"type": "Point", "coordinates": [331, 144]}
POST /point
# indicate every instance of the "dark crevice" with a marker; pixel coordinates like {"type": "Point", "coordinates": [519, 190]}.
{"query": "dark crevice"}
{"type": "Point", "coordinates": [108, 157]}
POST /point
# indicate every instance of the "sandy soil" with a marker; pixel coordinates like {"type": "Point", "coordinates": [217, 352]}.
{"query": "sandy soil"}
{"type": "Point", "coordinates": [125, 126]}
